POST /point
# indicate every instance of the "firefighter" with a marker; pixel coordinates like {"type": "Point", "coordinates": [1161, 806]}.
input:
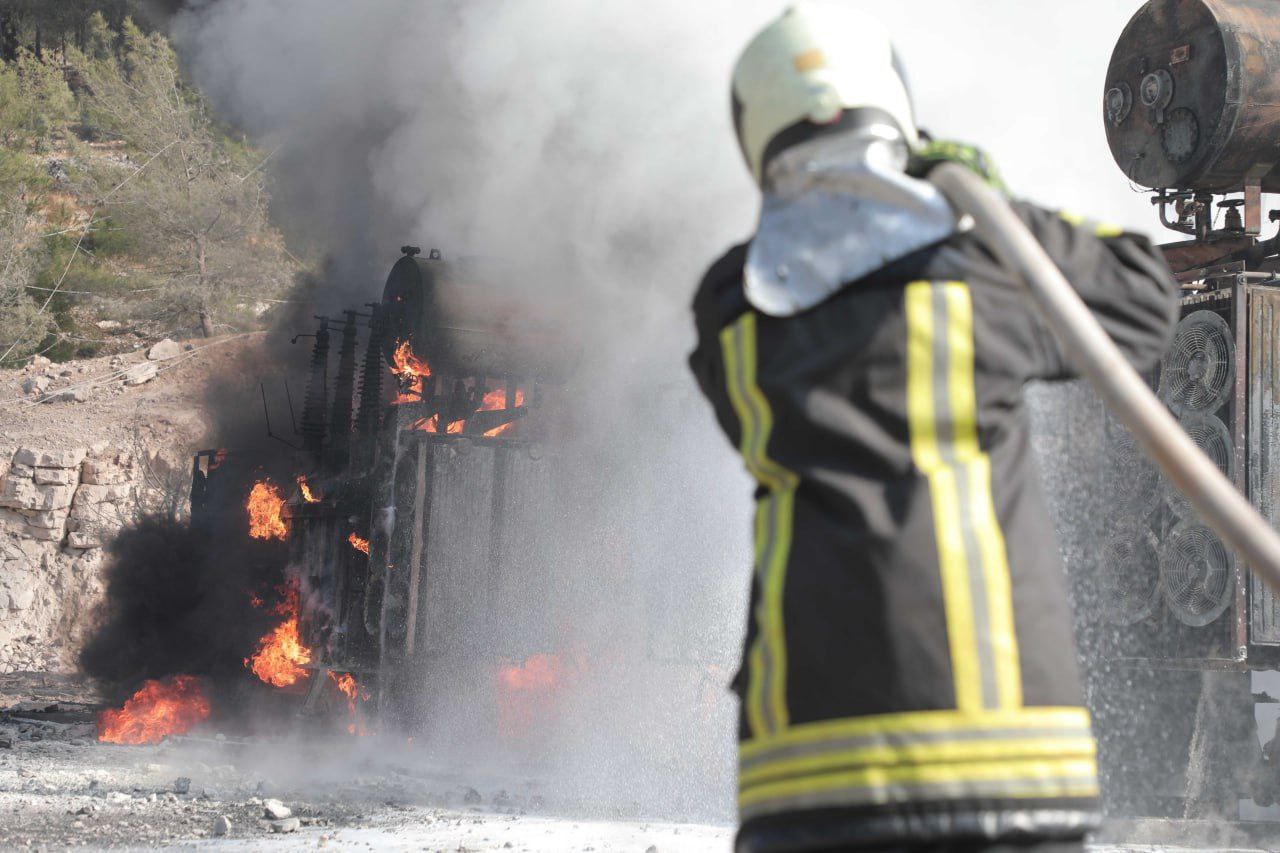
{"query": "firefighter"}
{"type": "Point", "coordinates": [909, 677]}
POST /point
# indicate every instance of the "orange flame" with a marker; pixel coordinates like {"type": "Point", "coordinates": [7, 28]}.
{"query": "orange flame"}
{"type": "Point", "coordinates": [266, 512]}
{"type": "Point", "coordinates": [411, 371]}
{"type": "Point", "coordinates": [281, 654]}
{"type": "Point", "coordinates": [346, 684]}
{"type": "Point", "coordinates": [492, 401]}
{"type": "Point", "coordinates": [361, 545]}
{"type": "Point", "coordinates": [538, 672]}
{"type": "Point", "coordinates": [495, 400]}
{"type": "Point", "coordinates": [307, 495]}
{"type": "Point", "coordinates": [159, 709]}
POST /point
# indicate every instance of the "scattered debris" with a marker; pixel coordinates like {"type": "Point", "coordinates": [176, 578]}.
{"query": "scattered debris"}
{"type": "Point", "coordinates": [69, 395]}
{"type": "Point", "coordinates": [291, 824]}
{"type": "Point", "coordinates": [164, 350]}
{"type": "Point", "coordinates": [140, 374]}
{"type": "Point", "coordinates": [275, 810]}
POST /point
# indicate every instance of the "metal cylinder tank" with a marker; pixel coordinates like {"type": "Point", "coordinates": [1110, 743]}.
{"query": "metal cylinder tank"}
{"type": "Point", "coordinates": [474, 317]}
{"type": "Point", "coordinates": [1192, 99]}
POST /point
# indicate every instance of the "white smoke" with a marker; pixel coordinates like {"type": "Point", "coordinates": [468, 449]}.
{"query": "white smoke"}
{"type": "Point", "coordinates": [590, 144]}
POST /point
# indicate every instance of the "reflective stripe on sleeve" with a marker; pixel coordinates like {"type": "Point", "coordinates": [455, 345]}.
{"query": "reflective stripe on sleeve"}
{"type": "Point", "coordinates": [942, 419]}
{"type": "Point", "coordinates": [766, 705]}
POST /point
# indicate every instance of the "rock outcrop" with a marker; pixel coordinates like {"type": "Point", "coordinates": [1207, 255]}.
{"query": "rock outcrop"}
{"type": "Point", "coordinates": [58, 508]}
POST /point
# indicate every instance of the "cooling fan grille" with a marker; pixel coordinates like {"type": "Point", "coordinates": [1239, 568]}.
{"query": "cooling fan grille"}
{"type": "Point", "coordinates": [1214, 440]}
{"type": "Point", "coordinates": [1198, 371]}
{"type": "Point", "coordinates": [1130, 573]}
{"type": "Point", "coordinates": [1133, 483]}
{"type": "Point", "coordinates": [1196, 574]}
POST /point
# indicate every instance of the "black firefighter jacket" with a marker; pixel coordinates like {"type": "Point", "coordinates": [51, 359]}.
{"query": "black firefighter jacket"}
{"type": "Point", "coordinates": [909, 670]}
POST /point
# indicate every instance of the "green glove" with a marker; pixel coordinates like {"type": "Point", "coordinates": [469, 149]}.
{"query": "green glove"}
{"type": "Point", "coordinates": [938, 151]}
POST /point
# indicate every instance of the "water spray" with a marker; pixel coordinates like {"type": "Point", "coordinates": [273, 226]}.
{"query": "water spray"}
{"type": "Point", "coordinates": [1100, 361]}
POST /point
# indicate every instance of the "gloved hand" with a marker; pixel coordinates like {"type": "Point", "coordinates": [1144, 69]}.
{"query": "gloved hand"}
{"type": "Point", "coordinates": [937, 151]}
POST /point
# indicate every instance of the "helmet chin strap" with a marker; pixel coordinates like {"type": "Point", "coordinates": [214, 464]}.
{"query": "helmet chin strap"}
{"type": "Point", "coordinates": [835, 209]}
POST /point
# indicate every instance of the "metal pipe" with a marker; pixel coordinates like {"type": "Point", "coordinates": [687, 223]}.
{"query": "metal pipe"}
{"type": "Point", "coordinates": [1099, 360]}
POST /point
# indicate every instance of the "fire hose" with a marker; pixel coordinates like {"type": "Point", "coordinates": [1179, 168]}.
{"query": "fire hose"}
{"type": "Point", "coordinates": [1096, 357]}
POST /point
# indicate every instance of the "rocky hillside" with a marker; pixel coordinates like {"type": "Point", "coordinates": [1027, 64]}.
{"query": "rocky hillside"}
{"type": "Point", "coordinates": [85, 447]}
{"type": "Point", "coordinates": [127, 212]}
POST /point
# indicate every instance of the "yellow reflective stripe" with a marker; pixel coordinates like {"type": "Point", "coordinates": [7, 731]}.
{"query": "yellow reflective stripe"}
{"type": "Point", "coordinates": [920, 415]}
{"type": "Point", "coordinates": [995, 564]}
{"type": "Point", "coordinates": [1104, 230]}
{"type": "Point", "coordinates": [921, 721]}
{"type": "Point", "coordinates": [775, 580]}
{"type": "Point", "coordinates": [962, 385]}
{"type": "Point", "coordinates": [737, 399]}
{"type": "Point", "coordinates": [766, 689]}
{"type": "Point", "coordinates": [941, 752]}
{"type": "Point", "coordinates": [755, 698]}
{"type": "Point", "coordinates": [923, 423]}
{"type": "Point", "coordinates": [942, 412]}
{"type": "Point", "coordinates": [958, 602]}
{"type": "Point", "coordinates": [1066, 778]}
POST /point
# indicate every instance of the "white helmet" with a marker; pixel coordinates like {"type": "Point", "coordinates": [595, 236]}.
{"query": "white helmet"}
{"type": "Point", "coordinates": [807, 70]}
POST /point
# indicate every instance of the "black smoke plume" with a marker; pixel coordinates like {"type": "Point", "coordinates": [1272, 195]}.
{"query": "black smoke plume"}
{"type": "Point", "coordinates": [180, 599]}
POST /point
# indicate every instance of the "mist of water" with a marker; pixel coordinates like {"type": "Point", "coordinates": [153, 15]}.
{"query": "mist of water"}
{"type": "Point", "coordinates": [589, 146]}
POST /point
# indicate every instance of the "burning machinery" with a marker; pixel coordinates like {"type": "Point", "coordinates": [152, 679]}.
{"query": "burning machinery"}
{"type": "Point", "coordinates": [410, 518]}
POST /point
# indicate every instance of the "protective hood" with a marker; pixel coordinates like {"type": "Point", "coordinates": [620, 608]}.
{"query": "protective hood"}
{"type": "Point", "coordinates": [836, 209]}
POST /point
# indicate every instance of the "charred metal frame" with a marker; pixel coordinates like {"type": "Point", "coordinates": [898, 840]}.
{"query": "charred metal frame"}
{"type": "Point", "coordinates": [363, 614]}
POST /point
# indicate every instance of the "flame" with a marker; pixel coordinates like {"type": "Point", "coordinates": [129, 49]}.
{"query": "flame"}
{"type": "Point", "coordinates": [266, 509]}
{"type": "Point", "coordinates": [538, 672]}
{"type": "Point", "coordinates": [411, 371]}
{"type": "Point", "coordinates": [281, 654]}
{"type": "Point", "coordinates": [361, 545]}
{"type": "Point", "coordinates": [495, 400]}
{"type": "Point", "coordinates": [159, 709]}
{"type": "Point", "coordinates": [346, 684]}
{"type": "Point", "coordinates": [492, 401]}
{"type": "Point", "coordinates": [306, 491]}
{"type": "Point", "coordinates": [528, 698]}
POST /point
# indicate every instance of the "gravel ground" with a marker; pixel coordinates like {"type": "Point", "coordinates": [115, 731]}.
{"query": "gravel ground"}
{"type": "Point", "coordinates": [61, 789]}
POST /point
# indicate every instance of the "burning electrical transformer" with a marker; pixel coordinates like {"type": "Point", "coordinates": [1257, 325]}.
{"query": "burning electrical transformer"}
{"type": "Point", "coordinates": [419, 482]}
